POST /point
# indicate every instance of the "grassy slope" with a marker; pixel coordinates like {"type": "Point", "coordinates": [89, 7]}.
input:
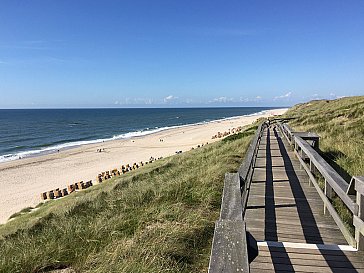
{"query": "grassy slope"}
{"type": "Point", "coordinates": [159, 218]}
{"type": "Point", "coordinates": [340, 124]}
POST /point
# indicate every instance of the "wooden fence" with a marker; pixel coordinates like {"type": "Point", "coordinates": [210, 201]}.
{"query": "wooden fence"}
{"type": "Point", "coordinates": [230, 244]}
{"type": "Point", "coordinates": [352, 195]}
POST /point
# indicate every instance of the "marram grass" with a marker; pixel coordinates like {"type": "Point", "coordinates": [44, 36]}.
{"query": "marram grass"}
{"type": "Point", "coordinates": [340, 124]}
{"type": "Point", "coordinates": [159, 218]}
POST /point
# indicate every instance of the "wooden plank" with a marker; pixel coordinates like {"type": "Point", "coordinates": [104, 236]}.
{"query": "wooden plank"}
{"type": "Point", "coordinates": [231, 206]}
{"type": "Point", "coordinates": [286, 236]}
{"type": "Point", "coordinates": [319, 262]}
{"type": "Point", "coordinates": [310, 250]}
{"type": "Point", "coordinates": [229, 248]}
{"type": "Point", "coordinates": [295, 230]}
{"type": "Point", "coordinates": [359, 224]}
{"type": "Point", "coordinates": [334, 256]}
{"type": "Point", "coordinates": [293, 224]}
{"type": "Point", "coordinates": [359, 218]}
{"type": "Point", "coordinates": [301, 268]}
{"type": "Point", "coordinates": [351, 189]}
{"type": "Point", "coordinates": [359, 184]}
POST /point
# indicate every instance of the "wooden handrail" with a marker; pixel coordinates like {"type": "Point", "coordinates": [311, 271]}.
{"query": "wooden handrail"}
{"type": "Point", "coordinates": [333, 182]}
{"type": "Point", "coordinates": [246, 168]}
{"type": "Point", "coordinates": [248, 159]}
{"type": "Point", "coordinates": [338, 184]}
{"type": "Point", "coordinates": [231, 205]}
{"type": "Point", "coordinates": [330, 208]}
{"type": "Point", "coordinates": [229, 251]}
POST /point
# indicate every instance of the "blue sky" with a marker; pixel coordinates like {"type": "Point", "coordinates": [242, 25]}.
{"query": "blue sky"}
{"type": "Point", "coordinates": [178, 53]}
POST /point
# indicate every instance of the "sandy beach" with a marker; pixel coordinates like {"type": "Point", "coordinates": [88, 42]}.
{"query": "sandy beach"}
{"type": "Point", "coordinates": [22, 181]}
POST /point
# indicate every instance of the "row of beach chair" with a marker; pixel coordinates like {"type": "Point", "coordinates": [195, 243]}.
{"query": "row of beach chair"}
{"type": "Point", "coordinates": [57, 193]}
{"type": "Point", "coordinates": [227, 133]}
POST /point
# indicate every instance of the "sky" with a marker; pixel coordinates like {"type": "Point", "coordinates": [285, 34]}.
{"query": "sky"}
{"type": "Point", "coordinates": [171, 53]}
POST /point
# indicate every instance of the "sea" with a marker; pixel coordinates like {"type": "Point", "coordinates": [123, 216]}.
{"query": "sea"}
{"type": "Point", "coordinates": [32, 132]}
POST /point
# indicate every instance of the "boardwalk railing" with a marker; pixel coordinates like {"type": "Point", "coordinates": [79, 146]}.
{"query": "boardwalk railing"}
{"type": "Point", "coordinates": [233, 248]}
{"type": "Point", "coordinates": [305, 147]}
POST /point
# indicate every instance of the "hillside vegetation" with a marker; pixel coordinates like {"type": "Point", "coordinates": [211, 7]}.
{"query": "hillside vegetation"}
{"type": "Point", "coordinates": [159, 218]}
{"type": "Point", "coordinates": [340, 124]}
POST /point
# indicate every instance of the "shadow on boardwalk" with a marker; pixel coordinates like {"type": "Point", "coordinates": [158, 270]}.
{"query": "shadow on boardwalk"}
{"type": "Point", "coordinates": [306, 215]}
{"type": "Point", "coordinates": [293, 221]}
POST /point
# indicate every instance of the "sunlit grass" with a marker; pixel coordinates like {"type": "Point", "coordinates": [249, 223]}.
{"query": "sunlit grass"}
{"type": "Point", "coordinates": [159, 218]}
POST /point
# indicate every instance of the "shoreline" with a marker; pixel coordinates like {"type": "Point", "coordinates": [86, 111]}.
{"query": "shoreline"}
{"type": "Point", "coordinates": [128, 135]}
{"type": "Point", "coordinates": [56, 170]}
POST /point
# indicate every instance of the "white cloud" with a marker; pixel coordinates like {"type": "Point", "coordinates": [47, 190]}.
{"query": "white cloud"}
{"type": "Point", "coordinates": [222, 100]}
{"type": "Point", "coordinates": [135, 101]}
{"type": "Point", "coordinates": [255, 99]}
{"type": "Point", "coordinates": [169, 98]}
{"type": "Point", "coordinates": [334, 96]}
{"type": "Point", "coordinates": [287, 95]}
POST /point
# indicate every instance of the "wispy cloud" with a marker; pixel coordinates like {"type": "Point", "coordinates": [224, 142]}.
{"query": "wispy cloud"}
{"type": "Point", "coordinates": [249, 99]}
{"type": "Point", "coordinates": [169, 98]}
{"type": "Point", "coordinates": [221, 100]}
{"type": "Point", "coordinates": [134, 101]}
{"type": "Point", "coordinates": [285, 96]}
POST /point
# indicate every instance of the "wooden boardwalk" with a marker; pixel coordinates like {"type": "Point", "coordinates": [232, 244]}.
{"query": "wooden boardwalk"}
{"type": "Point", "coordinates": [285, 215]}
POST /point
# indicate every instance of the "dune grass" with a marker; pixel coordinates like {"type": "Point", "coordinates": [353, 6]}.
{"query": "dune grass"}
{"type": "Point", "coordinates": [25, 210]}
{"type": "Point", "coordinates": [159, 218]}
{"type": "Point", "coordinates": [340, 125]}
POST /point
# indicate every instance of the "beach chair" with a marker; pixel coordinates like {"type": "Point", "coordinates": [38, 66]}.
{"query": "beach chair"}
{"type": "Point", "coordinates": [99, 178]}
{"type": "Point", "coordinates": [50, 195]}
{"type": "Point", "coordinates": [71, 188]}
{"type": "Point", "coordinates": [57, 193]}
{"type": "Point", "coordinates": [43, 196]}
{"type": "Point", "coordinates": [80, 185]}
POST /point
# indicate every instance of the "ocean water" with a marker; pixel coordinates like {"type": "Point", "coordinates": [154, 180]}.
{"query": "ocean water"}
{"type": "Point", "coordinates": [31, 132]}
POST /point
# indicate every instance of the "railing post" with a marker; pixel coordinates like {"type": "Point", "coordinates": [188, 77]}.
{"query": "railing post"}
{"type": "Point", "coordinates": [329, 193]}
{"type": "Point", "coordinates": [309, 179]}
{"type": "Point", "coordinates": [359, 218]}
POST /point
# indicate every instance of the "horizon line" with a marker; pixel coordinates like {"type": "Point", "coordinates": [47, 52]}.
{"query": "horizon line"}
{"type": "Point", "coordinates": [137, 107]}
